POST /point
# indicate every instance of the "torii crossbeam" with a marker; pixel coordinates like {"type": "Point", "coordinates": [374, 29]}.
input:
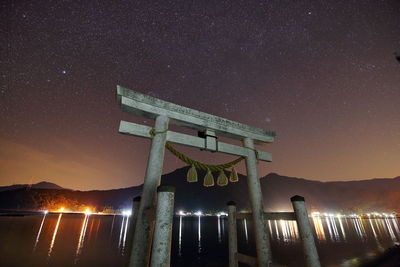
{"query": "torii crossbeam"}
{"type": "Point", "coordinates": [212, 126]}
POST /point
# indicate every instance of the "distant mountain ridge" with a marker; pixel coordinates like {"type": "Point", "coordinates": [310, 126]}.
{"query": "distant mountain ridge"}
{"type": "Point", "coordinates": [353, 196]}
{"type": "Point", "coordinates": [375, 183]}
{"type": "Point", "coordinates": [42, 185]}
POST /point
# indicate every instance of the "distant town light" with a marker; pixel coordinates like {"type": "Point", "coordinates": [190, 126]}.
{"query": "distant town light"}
{"type": "Point", "coordinates": [87, 211]}
{"type": "Point", "coordinates": [198, 213]}
{"type": "Point", "coordinates": [353, 215]}
{"type": "Point", "coordinates": [126, 213]}
{"type": "Point", "coordinates": [181, 213]}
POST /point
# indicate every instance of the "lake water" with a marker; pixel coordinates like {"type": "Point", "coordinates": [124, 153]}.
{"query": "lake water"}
{"type": "Point", "coordinates": [96, 240]}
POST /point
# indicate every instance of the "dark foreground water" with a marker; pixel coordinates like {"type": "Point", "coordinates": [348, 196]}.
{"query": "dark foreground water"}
{"type": "Point", "coordinates": [95, 240]}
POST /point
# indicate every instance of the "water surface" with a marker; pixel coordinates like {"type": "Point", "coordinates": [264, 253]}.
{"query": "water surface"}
{"type": "Point", "coordinates": [86, 240]}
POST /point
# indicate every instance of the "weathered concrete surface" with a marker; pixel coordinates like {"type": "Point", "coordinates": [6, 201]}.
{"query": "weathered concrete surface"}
{"type": "Point", "coordinates": [263, 246]}
{"type": "Point", "coordinates": [307, 238]}
{"type": "Point", "coordinates": [142, 236]}
{"type": "Point", "coordinates": [161, 252]}
{"type": "Point", "coordinates": [232, 234]}
{"type": "Point", "coordinates": [135, 129]}
{"type": "Point", "coordinates": [147, 106]}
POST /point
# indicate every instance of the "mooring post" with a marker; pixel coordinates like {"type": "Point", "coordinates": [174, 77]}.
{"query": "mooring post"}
{"type": "Point", "coordinates": [232, 234]}
{"type": "Point", "coordinates": [263, 245]}
{"type": "Point", "coordinates": [133, 218]}
{"type": "Point", "coordinates": [303, 223]}
{"type": "Point", "coordinates": [142, 240]}
{"type": "Point", "coordinates": [134, 211]}
{"type": "Point", "coordinates": [161, 252]}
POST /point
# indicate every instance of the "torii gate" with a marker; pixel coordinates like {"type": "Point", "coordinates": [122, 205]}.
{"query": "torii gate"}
{"type": "Point", "coordinates": [213, 126]}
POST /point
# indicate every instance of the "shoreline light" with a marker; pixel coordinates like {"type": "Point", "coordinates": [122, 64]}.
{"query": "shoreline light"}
{"type": "Point", "coordinates": [181, 213]}
{"type": "Point", "coordinates": [198, 213]}
{"type": "Point", "coordinates": [126, 213]}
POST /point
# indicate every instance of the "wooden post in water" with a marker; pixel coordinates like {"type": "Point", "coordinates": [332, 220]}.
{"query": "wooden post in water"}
{"type": "Point", "coordinates": [232, 234]}
{"type": "Point", "coordinates": [161, 252]}
{"type": "Point", "coordinates": [263, 246]}
{"type": "Point", "coordinates": [142, 238]}
{"type": "Point", "coordinates": [303, 223]}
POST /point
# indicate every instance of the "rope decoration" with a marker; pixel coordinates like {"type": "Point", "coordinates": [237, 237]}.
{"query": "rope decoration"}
{"type": "Point", "coordinates": [201, 166]}
{"type": "Point", "coordinates": [222, 179]}
{"type": "Point", "coordinates": [191, 177]}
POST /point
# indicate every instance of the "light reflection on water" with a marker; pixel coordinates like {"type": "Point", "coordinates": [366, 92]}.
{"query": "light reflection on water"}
{"type": "Point", "coordinates": [359, 227]}
{"type": "Point", "coordinates": [389, 227]}
{"type": "Point", "coordinates": [219, 229]}
{"type": "Point", "coordinates": [199, 234]}
{"type": "Point", "coordinates": [245, 230]}
{"type": "Point", "coordinates": [319, 228]}
{"type": "Point", "coordinates": [180, 236]}
{"type": "Point", "coordinates": [40, 230]}
{"type": "Point", "coordinates": [122, 234]}
{"type": "Point", "coordinates": [54, 235]}
{"type": "Point", "coordinates": [276, 230]}
{"type": "Point", "coordinates": [81, 237]}
{"type": "Point", "coordinates": [92, 239]}
{"type": "Point", "coordinates": [342, 228]}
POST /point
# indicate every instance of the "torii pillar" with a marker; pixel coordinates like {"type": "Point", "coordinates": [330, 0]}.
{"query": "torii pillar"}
{"type": "Point", "coordinates": [141, 248]}
{"type": "Point", "coordinates": [263, 245]}
{"type": "Point", "coordinates": [165, 112]}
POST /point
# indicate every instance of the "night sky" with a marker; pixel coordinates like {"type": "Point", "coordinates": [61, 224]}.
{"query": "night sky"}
{"type": "Point", "coordinates": [322, 74]}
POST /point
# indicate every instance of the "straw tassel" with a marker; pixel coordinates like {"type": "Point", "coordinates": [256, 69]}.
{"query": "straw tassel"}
{"type": "Point", "coordinates": [233, 177]}
{"type": "Point", "coordinates": [208, 179]}
{"type": "Point", "coordinates": [222, 180]}
{"type": "Point", "coordinates": [191, 176]}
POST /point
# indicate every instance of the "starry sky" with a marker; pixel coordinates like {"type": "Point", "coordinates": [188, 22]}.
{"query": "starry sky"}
{"type": "Point", "coordinates": [322, 74]}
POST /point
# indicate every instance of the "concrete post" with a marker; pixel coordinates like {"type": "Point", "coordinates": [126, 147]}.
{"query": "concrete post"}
{"type": "Point", "coordinates": [133, 218]}
{"type": "Point", "coordinates": [303, 223]}
{"type": "Point", "coordinates": [232, 234]}
{"type": "Point", "coordinates": [142, 238]}
{"type": "Point", "coordinates": [161, 252]}
{"type": "Point", "coordinates": [134, 211]}
{"type": "Point", "coordinates": [263, 245]}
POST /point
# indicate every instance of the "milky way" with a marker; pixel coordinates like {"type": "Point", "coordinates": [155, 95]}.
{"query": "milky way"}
{"type": "Point", "coordinates": [322, 75]}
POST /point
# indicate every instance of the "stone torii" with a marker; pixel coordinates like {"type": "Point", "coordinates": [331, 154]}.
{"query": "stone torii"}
{"type": "Point", "coordinates": [212, 126]}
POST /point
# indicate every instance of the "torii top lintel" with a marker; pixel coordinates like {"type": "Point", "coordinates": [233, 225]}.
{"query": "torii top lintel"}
{"type": "Point", "coordinates": [150, 107]}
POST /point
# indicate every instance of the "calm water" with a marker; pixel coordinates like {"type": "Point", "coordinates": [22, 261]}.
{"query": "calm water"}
{"type": "Point", "coordinates": [81, 240]}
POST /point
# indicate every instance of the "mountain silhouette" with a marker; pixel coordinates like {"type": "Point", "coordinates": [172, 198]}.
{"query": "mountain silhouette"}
{"type": "Point", "coordinates": [42, 185]}
{"type": "Point", "coordinates": [381, 194]}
